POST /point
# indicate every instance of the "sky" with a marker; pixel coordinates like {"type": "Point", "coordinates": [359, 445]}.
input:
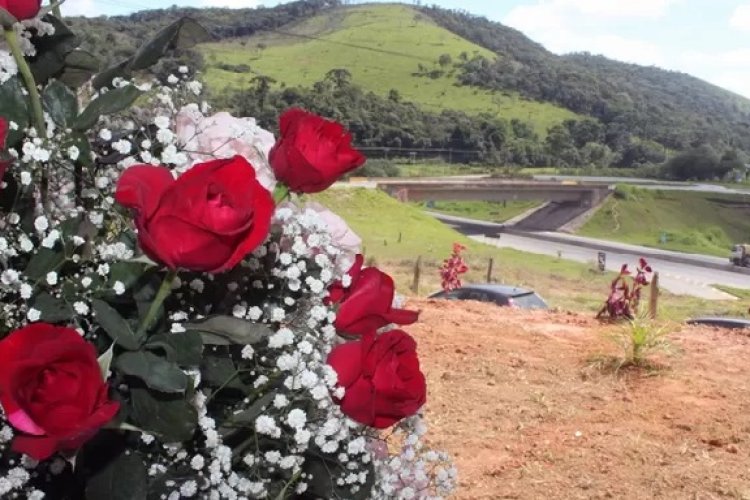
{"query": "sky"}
{"type": "Point", "coordinates": [709, 39]}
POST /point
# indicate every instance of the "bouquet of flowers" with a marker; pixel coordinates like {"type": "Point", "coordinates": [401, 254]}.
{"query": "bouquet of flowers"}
{"type": "Point", "coordinates": [175, 322]}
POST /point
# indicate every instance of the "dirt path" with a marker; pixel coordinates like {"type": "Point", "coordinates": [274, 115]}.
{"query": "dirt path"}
{"type": "Point", "coordinates": [515, 397]}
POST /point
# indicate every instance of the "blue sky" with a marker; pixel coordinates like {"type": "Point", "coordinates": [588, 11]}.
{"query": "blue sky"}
{"type": "Point", "coordinates": [706, 38]}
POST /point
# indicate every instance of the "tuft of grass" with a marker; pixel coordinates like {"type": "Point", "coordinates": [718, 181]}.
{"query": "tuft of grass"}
{"type": "Point", "coordinates": [381, 46]}
{"type": "Point", "coordinates": [693, 222]}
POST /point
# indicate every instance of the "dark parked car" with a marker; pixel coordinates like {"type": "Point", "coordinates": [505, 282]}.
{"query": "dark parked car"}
{"type": "Point", "coordinates": [502, 295]}
{"type": "Point", "coordinates": [721, 322]}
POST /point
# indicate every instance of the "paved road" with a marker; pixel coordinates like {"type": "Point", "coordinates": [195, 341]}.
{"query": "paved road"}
{"type": "Point", "coordinates": [648, 183]}
{"type": "Point", "coordinates": [682, 278]}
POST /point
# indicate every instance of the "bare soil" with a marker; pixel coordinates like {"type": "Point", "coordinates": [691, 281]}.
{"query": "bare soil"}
{"type": "Point", "coordinates": [526, 409]}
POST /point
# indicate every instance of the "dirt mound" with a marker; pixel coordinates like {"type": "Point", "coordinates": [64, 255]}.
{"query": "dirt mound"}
{"type": "Point", "coordinates": [526, 413]}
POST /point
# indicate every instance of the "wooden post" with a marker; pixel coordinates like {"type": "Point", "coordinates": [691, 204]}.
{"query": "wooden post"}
{"type": "Point", "coordinates": [653, 303]}
{"type": "Point", "coordinates": [417, 275]}
{"type": "Point", "coordinates": [489, 270]}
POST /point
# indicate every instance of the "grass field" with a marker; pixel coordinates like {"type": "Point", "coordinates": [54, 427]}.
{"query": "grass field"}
{"type": "Point", "coordinates": [381, 46]}
{"type": "Point", "coordinates": [492, 211]}
{"type": "Point", "coordinates": [395, 234]}
{"type": "Point", "coordinates": [690, 222]}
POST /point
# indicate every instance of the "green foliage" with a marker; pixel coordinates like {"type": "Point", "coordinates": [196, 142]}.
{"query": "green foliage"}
{"type": "Point", "coordinates": [711, 225]}
{"type": "Point", "coordinates": [697, 164]}
{"type": "Point", "coordinates": [638, 339]}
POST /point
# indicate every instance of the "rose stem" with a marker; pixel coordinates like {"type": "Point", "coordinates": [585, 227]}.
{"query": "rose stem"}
{"type": "Point", "coordinates": [164, 290]}
{"type": "Point", "coordinates": [280, 193]}
{"type": "Point", "coordinates": [36, 103]}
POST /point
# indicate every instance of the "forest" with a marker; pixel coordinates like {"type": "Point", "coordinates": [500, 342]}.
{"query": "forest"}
{"type": "Point", "coordinates": [633, 117]}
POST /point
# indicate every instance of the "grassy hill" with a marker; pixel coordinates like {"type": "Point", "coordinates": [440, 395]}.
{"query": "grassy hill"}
{"type": "Point", "coordinates": [382, 47]}
{"type": "Point", "coordinates": [691, 222]}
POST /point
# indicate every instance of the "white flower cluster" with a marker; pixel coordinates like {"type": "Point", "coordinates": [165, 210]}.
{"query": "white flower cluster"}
{"type": "Point", "coordinates": [24, 30]}
{"type": "Point", "coordinates": [272, 438]}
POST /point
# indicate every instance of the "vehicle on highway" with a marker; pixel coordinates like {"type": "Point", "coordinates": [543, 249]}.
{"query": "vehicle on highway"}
{"type": "Point", "coordinates": [502, 295]}
{"type": "Point", "coordinates": [720, 322]}
{"type": "Point", "coordinates": [740, 255]}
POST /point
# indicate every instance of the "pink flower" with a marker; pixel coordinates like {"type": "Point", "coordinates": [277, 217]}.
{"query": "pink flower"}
{"type": "Point", "coordinates": [342, 236]}
{"type": "Point", "coordinates": [204, 138]}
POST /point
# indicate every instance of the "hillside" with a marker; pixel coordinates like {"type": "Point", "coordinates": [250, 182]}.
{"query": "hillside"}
{"type": "Point", "coordinates": [675, 109]}
{"type": "Point", "coordinates": [382, 47]}
{"type": "Point", "coordinates": [512, 101]}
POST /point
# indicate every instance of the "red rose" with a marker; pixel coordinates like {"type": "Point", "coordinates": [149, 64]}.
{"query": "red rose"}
{"type": "Point", "coordinates": [51, 389]}
{"type": "Point", "coordinates": [21, 9]}
{"type": "Point", "coordinates": [367, 304]}
{"type": "Point", "coordinates": [208, 219]}
{"type": "Point", "coordinates": [312, 153]}
{"type": "Point", "coordinates": [3, 136]}
{"type": "Point", "coordinates": [381, 378]}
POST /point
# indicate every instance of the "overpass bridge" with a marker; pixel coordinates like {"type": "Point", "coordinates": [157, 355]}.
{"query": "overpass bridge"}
{"type": "Point", "coordinates": [566, 200]}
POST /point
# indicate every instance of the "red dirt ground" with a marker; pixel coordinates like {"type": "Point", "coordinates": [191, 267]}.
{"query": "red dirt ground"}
{"type": "Point", "coordinates": [515, 397]}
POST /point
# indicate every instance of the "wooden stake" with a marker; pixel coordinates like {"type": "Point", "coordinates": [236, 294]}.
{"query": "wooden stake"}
{"type": "Point", "coordinates": [417, 275]}
{"type": "Point", "coordinates": [489, 270]}
{"type": "Point", "coordinates": [653, 303]}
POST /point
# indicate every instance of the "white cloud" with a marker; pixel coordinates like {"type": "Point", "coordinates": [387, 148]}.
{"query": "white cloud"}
{"type": "Point", "coordinates": [83, 8]}
{"type": "Point", "coordinates": [564, 26]}
{"type": "Point", "coordinates": [740, 18]}
{"type": "Point", "coordinates": [232, 4]}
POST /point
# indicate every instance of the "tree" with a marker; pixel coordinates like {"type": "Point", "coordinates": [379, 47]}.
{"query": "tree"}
{"type": "Point", "coordinates": [445, 60]}
{"type": "Point", "coordinates": [700, 163]}
{"type": "Point", "coordinates": [340, 77]}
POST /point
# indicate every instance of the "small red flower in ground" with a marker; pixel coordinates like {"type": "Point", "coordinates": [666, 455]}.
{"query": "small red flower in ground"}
{"type": "Point", "coordinates": [312, 152]}
{"type": "Point", "coordinates": [624, 297]}
{"type": "Point", "coordinates": [208, 219]}
{"type": "Point", "coordinates": [52, 390]}
{"type": "Point", "coordinates": [452, 268]}
{"type": "Point", "coordinates": [381, 378]}
{"type": "Point", "coordinates": [366, 305]}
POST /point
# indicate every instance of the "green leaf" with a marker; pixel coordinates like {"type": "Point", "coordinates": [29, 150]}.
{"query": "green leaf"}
{"type": "Point", "coordinates": [108, 103]}
{"type": "Point", "coordinates": [182, 34]}
{"type": "Point", "coordinates": [226, 330]}
{"type": "Point", "coordinates": [43, 262]}
{"type": "Point", "coordinates": [125, 272]}
{"type": "Point", "coordinates": [185, 349]}
{"type": "Point", "coordinates": [115, 325]}
{"type": "Point", "coordinates": [51, 51]}
{"type": "Point", "coordinates": [52, 308]}
{"type": "Point", "coordinates": [125, 478]}
{"type": "Point", "coordinates": [105, 361]}
{"type": "Point", "coordinates": [60, 103]}
{"type": "Point", "coordinates": [80, 66]}
{"type": "Point", "coordinates": [171, 418]}
{"type": "Point", "coordinates": [323, 474]}
{"type": "Point", "coordinates": [14, 106]}
{"type": "Point", "coordinates": [248, 416]}
{"type": "Point", "coordinates": [158, 373]}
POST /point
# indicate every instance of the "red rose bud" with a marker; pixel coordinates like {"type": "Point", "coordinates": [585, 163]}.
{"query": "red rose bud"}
{"type": "Point", "coordinates": [22, 9]}
{"type": "Point", "coordinates": [208, 219]}
{"type": "Point", "coordinates": [52, 390]}
{"type": "Point", "coordinates": [4, 163]}
{"type": "Point", "coordinates": [337, 291]}
{"type": "Point", "coordinates": [381, 378]}
{"type": "Point", "coordinates": [367, 305]}
{"type": "Point", "coordinates": [312, 153]}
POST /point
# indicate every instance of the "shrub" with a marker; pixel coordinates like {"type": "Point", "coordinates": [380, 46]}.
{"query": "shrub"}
{"type": "Point", "coordinates": [625, 292]}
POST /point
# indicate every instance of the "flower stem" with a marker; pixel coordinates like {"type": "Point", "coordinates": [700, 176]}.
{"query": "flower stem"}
{"type": "Point", "coordinates": [36, 102]}
{"type": "Point", "coordinates": [280, 193]}
{"type": "Point", "coordinates": [28, 78]}
{"type": "Point", "coordinates": [164, 290]}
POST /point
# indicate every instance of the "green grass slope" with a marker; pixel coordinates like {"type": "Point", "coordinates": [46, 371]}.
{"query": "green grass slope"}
{"type": "Point", "coordinates": [692, 222]}
{"type": "Point", "coordinates": [395, 234]}
{"type": "Point", "coordinates": [381, 46]}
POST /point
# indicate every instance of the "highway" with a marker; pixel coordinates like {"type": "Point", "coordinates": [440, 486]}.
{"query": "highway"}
{"type": "Point", "coordinates": [682, 278]}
